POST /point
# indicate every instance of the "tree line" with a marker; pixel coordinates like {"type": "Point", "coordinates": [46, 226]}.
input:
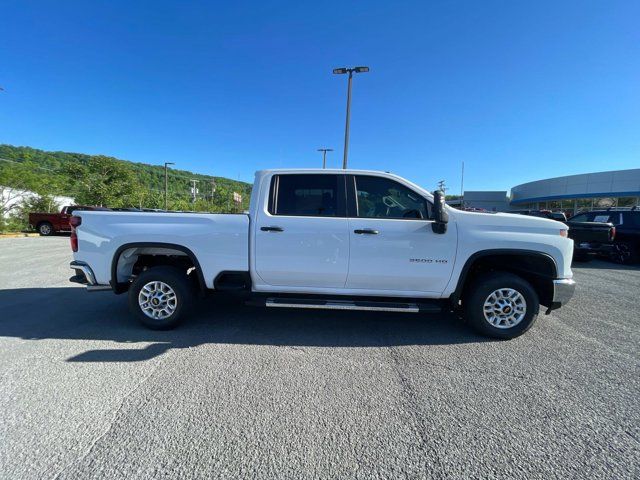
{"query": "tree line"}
{"type": "Point", "coordinates": [101, 180]}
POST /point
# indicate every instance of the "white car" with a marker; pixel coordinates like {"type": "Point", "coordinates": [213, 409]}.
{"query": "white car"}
{"type": "Point", "coordinates": [333, 239]}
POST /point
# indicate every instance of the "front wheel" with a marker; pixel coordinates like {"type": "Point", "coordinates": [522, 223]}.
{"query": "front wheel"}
{"type": "Point", "coordinates": [501, 305]}
{"type": "Point", "coordinates": [160, 297]}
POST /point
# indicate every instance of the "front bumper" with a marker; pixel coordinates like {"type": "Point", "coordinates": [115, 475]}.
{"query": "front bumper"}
{"type": "Point", "coordinates": [563, 290]}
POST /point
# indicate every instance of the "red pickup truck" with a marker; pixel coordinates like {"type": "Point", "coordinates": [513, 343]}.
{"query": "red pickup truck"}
{"type": "Point", "coordinates": [50, 223]}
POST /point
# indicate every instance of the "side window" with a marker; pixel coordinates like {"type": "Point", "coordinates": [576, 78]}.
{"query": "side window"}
{"type": "Point", "coordinates": [583, 217]}
{"type": "Point", "coordinates": [305, 195]}
{"type": "Point", "coordinates": [378, 197]}
{"type": "Point", "coordinates": [606, 218]}
{"type": "Point", "coordinates": [631, 219]}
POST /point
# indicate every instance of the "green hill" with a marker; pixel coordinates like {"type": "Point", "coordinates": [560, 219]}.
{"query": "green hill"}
{"type": "Point", "coordinates": [58, 176]}
{"type": "Point", "coordinates": [108, 181]}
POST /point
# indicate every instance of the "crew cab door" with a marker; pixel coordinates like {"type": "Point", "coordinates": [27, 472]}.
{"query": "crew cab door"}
{"type": "Point", "coordinates": [302, 233]}
{"type": "Point", "coordinates": [393, 246]}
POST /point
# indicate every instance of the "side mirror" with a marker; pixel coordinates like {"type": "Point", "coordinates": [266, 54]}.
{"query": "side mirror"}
{"type": "Point", "coordinates": [440, 214]}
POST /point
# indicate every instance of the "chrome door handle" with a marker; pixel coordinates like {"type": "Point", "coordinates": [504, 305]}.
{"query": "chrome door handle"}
{"type": "Point", "coordinates": [366, 231]}
{"type": "Point", "coordinates": [272, 229]}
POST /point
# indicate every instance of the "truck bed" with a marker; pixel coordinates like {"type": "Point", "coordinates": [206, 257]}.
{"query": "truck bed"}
{"type": "Point", "coordinates": [220, 242]}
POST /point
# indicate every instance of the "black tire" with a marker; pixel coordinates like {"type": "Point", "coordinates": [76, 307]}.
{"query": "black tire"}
{"type": "Point", "coordinates": [581, 257]}
{"type": "Point", "coordinates": [177, 280]}
{"type": "Point", "coordinates": [624, 253]}
{"type": "Point", "coordinates": [478, 293]}
{"type": "Point", "coordinates": [45, 229]}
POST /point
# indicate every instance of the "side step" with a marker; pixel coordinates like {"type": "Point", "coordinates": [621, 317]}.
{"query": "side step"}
{"type": "Point", "coordinates": [334, 304]}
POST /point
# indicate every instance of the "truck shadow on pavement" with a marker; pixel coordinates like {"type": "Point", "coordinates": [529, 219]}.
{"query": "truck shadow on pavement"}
{"type": "Point", "coordinates": [599, 264]}
{"type": "Point", "coordinates": [73, 314]}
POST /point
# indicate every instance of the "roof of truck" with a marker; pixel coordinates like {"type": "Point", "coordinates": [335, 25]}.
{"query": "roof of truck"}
{"type": "Point", "coordinates": [320, 170]}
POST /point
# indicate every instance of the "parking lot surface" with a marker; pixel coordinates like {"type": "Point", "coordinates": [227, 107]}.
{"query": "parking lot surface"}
{"type": "Point", "coordinates": [241, 392]}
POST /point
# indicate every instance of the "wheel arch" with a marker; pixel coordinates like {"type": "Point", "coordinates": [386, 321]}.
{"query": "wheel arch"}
{"type": "Point", "coordinates": [538, 268]}
{"type": "Point", "coordinates": [120, 287]}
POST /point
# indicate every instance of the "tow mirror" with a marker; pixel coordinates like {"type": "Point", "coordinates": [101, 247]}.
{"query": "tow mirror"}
{"type": "Point", "coordinates": [440, 214]}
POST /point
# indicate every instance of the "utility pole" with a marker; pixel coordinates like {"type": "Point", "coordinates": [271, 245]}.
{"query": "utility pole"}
{"type": "Point", "coordinates": [194, 190]}
{"type": "Point", "coordinates": [213, 187]}
{"type": "Point", "coordinates": [462, 187]}
{"type": "Point", "coordinates": [166, 183]}
{"type": "Point", "coordinates": [324, 155]}
{"type": "Point", "coordinates": [350, 71]}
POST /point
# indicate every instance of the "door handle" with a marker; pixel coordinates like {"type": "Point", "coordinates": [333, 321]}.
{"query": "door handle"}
{"type": "Point", "coordinates": [272, 229]}
{"type": "Point", "coordinates": [367, 231]}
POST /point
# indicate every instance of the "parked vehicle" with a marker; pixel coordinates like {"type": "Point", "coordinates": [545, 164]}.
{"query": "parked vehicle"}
{"type": "Point", "coordinates": [49, 223]}
{"type": "Point", "coordinates": [557, 215]}
{"type": "Point", "coordinates": [591, 239]}
{"type": "Point", "coordinates": [332, 239]}
{"type": "Point", "coordinates": [622, 245]}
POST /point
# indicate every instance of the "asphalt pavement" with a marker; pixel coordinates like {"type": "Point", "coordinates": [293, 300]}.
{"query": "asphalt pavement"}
{"type": "Point", "coordinates": [242, 392]}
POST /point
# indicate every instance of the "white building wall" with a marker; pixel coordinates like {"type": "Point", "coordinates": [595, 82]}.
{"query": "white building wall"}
{"type": "Point", "coordinates": [618, 183]}
{"type": "Point", "coordinates": [8, 195]}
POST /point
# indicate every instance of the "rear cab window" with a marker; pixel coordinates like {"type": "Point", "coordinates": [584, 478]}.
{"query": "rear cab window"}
{"type": "Point", "coordinates": [307, 195]}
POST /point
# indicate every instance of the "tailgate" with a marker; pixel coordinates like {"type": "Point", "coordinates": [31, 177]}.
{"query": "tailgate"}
{"type": "Point", "coordinates": [591, 232]}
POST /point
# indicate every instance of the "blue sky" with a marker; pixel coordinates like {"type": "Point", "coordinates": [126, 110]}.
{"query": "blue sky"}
{"type": "Point", "coordinates": [517, 90]}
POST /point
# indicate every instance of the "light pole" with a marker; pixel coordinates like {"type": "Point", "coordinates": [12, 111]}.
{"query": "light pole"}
{"type": "Point", "coordinates": [324, 155]}
{"type": "Point", "coordinates": [350, 71]}
{"type": "Point", "coordinates": [166, 182]}
{"type": "Point", "coordinates": [194, 190]}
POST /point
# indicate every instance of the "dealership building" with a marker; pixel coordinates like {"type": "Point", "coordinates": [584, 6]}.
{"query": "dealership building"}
{"type": "Point", "coordinates": [571, 194]}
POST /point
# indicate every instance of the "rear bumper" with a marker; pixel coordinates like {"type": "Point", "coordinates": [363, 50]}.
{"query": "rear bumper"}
{"type": "Point", "coordinates": [594, 248]}
{"type": "Point", "coordinates": [563, 290]}
{"type": "Point", "coordinates": [85, 276]}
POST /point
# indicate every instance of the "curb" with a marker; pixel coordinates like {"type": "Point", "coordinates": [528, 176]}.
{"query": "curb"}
{"type": "Point", "coordinates": [18, 235]}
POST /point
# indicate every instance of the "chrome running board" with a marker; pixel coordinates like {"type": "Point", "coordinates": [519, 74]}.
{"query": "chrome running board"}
{"type": "Point", "coordinates": [343, 305]}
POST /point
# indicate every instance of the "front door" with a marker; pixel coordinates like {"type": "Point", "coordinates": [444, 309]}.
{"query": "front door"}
{"type": "Point", "coordinates": [393, 247]}
{"type": "Point", "coordinates": [302, 235]}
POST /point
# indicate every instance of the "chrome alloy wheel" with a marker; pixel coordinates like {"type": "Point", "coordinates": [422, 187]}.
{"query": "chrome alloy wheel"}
{"type": "Point", "coordinates": [505, 308]}
{"type": "Point", "coordinates": [157, 300]}
{"type": "Point", "coordinates": [45, 229]}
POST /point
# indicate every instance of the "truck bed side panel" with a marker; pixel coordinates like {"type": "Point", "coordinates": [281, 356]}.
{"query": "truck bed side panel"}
{"type": "Point", "coordinates": [220, 242]}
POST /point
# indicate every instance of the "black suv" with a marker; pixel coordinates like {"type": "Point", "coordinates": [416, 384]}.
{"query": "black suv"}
{"type": "Point", "coordinates": [626, 243]}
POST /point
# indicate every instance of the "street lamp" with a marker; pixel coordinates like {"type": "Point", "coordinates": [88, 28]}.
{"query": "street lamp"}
{"type": "Point", "coordinates": [324, 155]}
{"type": "Point", "coordinates": [350, 71]}
{"type": "Point", "coordinates": [166, 182]}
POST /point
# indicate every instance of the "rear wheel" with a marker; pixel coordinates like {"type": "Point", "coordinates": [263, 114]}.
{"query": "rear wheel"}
{"type": "Point", "coordinates": [501, 305]}
{"type": "Point", "coordinates": [624, 253]}
{"type": "Point", "coordinates": [160, 297]}
{"type": "Point", "coordinates": [45, 229]}
{"type": "Point", "coordinates": [581, 257]}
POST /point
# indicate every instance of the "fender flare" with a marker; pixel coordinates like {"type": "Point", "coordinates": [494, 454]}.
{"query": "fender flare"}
{"type": "Point", "coordinates": [462, 278]}
{"type": "Point", "coordinates": [121, 287]}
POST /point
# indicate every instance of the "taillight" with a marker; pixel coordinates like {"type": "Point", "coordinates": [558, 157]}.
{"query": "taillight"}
{"type": "Point", "coordinates": [613, 233]}
{"type": "Point", "coordinates": [74, 222]}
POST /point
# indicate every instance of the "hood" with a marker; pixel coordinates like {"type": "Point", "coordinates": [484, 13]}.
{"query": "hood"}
{"type": "Point", "coordinates": [509, 220]}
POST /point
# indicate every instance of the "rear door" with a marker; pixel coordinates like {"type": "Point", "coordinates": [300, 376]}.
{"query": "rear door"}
{"type": "Point", "coordinates": [62, 220]}
{"type": "Point", "coordinates": [393, 246]}
{"type": "Point", "coordinates": [302, 233]}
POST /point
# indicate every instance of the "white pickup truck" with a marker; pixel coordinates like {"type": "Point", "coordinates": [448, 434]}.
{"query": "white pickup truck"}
{"type": "Point", "coordinates": [333, 239]}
